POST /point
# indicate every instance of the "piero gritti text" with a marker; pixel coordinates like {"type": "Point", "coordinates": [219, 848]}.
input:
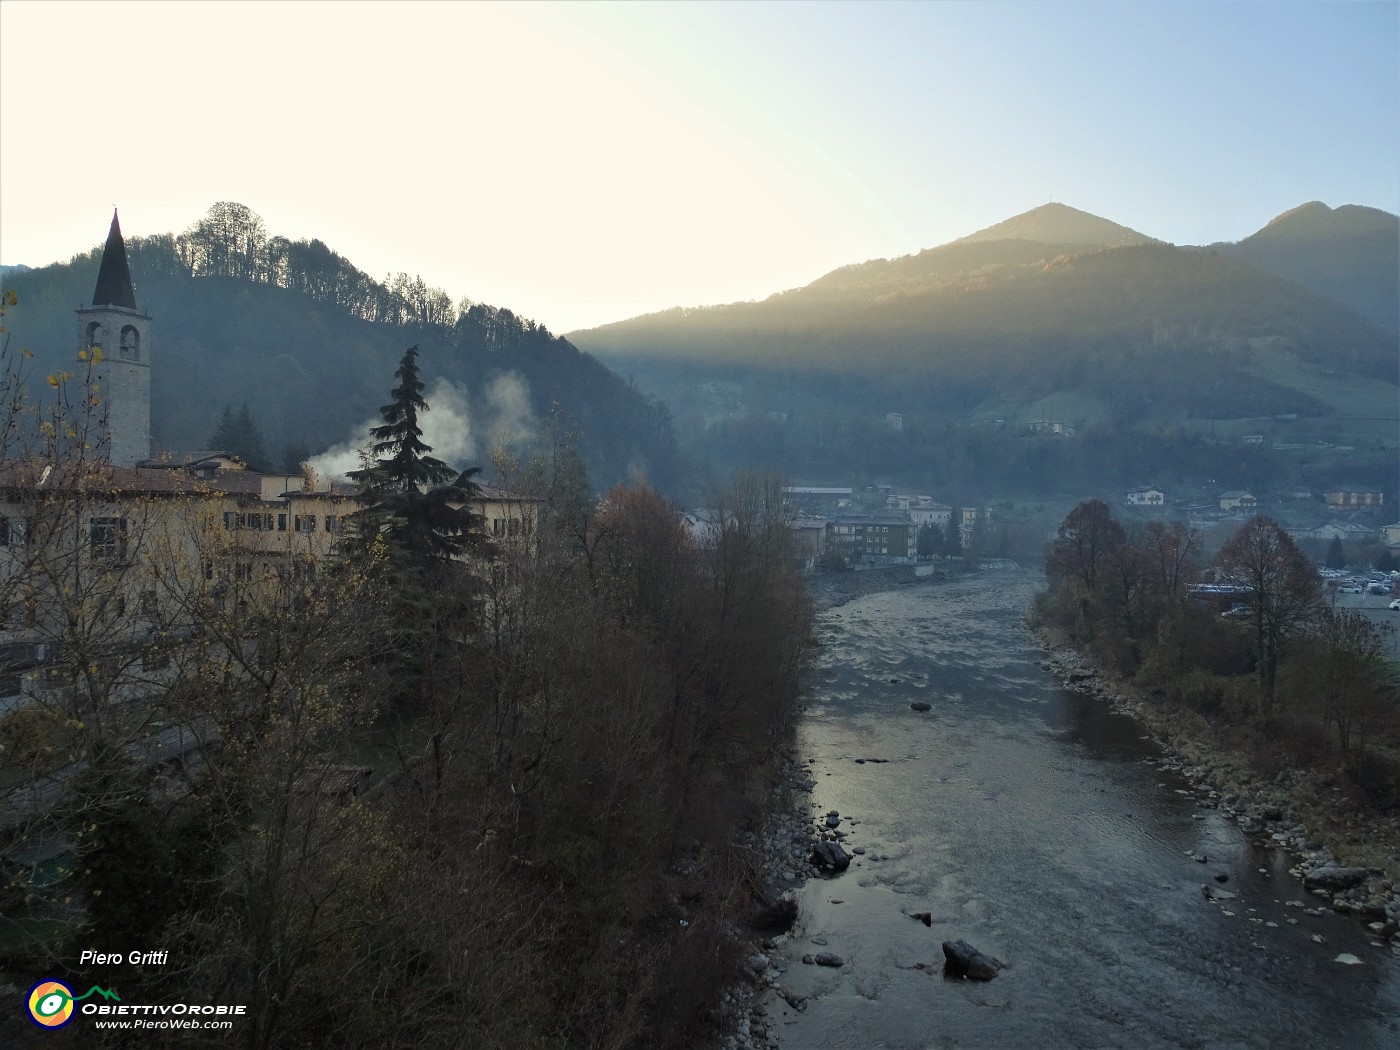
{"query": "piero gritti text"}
{"type": "Point", "coordinates": [136, 958]}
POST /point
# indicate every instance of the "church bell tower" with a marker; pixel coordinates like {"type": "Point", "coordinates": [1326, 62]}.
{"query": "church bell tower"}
{"type": "Point", "coordinates": [122, 333]}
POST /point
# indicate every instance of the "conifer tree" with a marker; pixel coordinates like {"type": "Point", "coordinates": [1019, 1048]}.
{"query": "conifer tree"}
{"type": "Point", "coordinates": [415, 502]}
{"type": "Point", "coordinates": [238, 435]}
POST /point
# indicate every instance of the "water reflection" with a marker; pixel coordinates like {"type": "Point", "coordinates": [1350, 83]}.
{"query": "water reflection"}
{"type": "Point", "coordinates": [1027, 820]}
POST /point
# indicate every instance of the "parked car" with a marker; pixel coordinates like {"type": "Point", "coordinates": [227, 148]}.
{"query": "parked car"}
{"type": "Point", "coordinates": [1394, 606]}
{"type": "Point", "coordinates": [1349, 588]}
{"type": "Point", "coordinates": [1236, 612]}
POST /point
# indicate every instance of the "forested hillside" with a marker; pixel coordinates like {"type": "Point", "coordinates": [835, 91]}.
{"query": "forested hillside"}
{"type": "Point", "coordinates": [1105, 331]}
{"type": "Point", "coordinates": [307, 340]}
{"type": "Point", "coordinates": [1350, 253]}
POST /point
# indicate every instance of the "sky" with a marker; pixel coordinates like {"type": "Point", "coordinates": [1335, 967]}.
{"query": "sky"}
{"type": "Point", "coordinates": [583, 163]}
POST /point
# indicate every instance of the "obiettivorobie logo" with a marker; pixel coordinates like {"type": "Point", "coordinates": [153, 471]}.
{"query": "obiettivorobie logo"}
{"type": "Point", "coordinates": [51, 1002]}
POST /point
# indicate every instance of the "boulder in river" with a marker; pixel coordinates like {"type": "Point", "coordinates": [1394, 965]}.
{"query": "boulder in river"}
{"type": "Point", "coordinates": [919, 705]}
{"type": "Point", "coordinates": [775, 917]}
{"type": "Point", "coordinates": [963, 960]}
{"type": "Point", "coordinates": [923, 916]}
{"type": "Point", "coordinates": [829, 856]}
{"type": "Point", "coordinates": [1334, 877]}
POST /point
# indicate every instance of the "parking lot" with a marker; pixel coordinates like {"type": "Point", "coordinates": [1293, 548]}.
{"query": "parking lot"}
{"type": "Point", "coordinates": [1374, 606]}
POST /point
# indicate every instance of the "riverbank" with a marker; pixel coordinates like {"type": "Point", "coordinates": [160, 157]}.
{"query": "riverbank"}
{"type": "Point", "coordinates": [783, 851]}
{"type": "Point", "coordinates": [1303, 811]}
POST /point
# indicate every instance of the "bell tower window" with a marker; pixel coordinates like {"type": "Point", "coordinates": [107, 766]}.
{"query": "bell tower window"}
{"type": "Point", "coordinates": [131, 343]}
{"type": "Point", "coordinates": [94, 336]}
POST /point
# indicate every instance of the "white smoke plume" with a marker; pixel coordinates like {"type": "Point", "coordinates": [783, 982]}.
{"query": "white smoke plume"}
{"type": "Point", "coordinates": [503, 414]}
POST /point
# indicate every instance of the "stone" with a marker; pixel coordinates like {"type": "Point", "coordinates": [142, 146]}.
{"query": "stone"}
{"type": "Point", "coordinates": [829, 856]}
{"type": "Point", "coordinates": [1210, 893]}
{"type": "Point", "coordinates": [833, 822]}
{"type": "Point", "coordinates": [797, 1002]}
{"type": "Point", "coordinates": [829, 959]}
{"type": "Point", "coordinates": [1347, 959]}
{"type": "Point", "coordinates": [919, 705]}
{"type": "Point", "coordinates": [963, 960]}
{"type": "Point", "coordinates": [776, 917]}
{"type": "Point", "coordinates": [1333, 877]}
{"type": "Point", "coordinates": [1220, 876]}
{"type": "Point", "coordinates": [923, 916]}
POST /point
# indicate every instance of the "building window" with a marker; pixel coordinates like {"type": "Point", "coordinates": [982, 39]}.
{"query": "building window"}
{"type": "Point", "coordinates": [131, 343]}
{"type": "Point", "coordinates": [107, 537]}
{"type": "Point", "coordinates": [243, 571]}
{"type": "Point", "coordinates": [332, 523]}
{"type": "Point", "coordinates": [306, 523]}
{"type": "Point", "coordinates": [281, 523]}
{"type": "Point", "coordinates": [149, 603]}
{"type": "Point", "coordinates": [230, 520]}
{"type": "Point", "coordinates": [93, 336]}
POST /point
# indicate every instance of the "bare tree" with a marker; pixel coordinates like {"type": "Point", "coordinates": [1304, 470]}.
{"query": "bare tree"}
{"type": "Point", "coordinates": [1086, 539]}
{"type": "Point", "coordinates": [1284, 591]}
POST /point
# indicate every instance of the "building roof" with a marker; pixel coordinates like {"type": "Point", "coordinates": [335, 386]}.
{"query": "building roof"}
{"type": "Point", "coordinates": [170, 460]}
{"type": "Point", "coordinates": [877, 518]}
{"type": "Point", "coordinates": [500, 495]}
{"type": "Point", "coordinates": [114, 276]}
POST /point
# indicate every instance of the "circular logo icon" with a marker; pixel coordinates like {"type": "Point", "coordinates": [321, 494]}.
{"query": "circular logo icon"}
{"type": "Point", "coordinates": [50, 1004]}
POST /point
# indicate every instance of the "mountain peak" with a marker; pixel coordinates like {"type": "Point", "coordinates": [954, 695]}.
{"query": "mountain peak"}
{"type": "Point", "coordinates": [1059, 224]}
{"type": "Point", "coordinates": [1315, 219]}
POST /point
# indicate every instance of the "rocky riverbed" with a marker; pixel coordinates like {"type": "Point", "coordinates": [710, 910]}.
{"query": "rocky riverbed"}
{"type": "Point", "coordinates": [981, 798]}
{"type": "Point", "coordinates": [1270, 812]}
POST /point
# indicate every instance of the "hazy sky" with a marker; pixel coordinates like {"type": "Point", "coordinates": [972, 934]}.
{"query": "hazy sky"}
{"type": "Point", "coordinates": [584, 163]}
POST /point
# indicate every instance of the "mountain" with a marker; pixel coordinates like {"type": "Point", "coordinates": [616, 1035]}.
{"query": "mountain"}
{"type": "Point", "coordinates": [313, 373]}
{"type": "Point", "coordinates": [17, 268]}
{"type": "Point", "coordinates": [1060, 224]}
{"type": "Point", "coordinates": [1350, 253]}
{"type": "Point", "coordinates": [1110, 329]}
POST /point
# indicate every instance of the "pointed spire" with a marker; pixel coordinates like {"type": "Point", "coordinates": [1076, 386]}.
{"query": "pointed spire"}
{"type": "Point", "coordinates": [114, 277]}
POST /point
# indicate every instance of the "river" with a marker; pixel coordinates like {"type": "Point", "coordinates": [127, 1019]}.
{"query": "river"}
{"type": "Point", "coordinates": [1030, 821]}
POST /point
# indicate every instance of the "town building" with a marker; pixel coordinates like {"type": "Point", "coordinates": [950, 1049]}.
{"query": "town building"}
{"type": "Point", "coordinates": [882, 538]}
{"type": "Point", "coordinates": [1238, 500]}
{"type": "Point", "coordinates": [1146, 497]}
{"type": "Point", "coordinates": [1354, 496]}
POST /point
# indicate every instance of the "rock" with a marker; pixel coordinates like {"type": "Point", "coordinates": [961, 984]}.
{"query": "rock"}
{"type": "Point", "coordinates": [777, 917]}
{"type": "Point", "coordinates": [756, 963]}
{"type": "Point", "coordinates": [923, 916]}
{"type": "Point", "coordinates": [1220, 876]}
{"type": "Point", "coordinates": [919, 705]}
{"type": "Point", "coordinates": [797, 1002]}
{"type": "Point", "coordinates": [1210, 893]}
{"type": "Point", "coordinates": [1347, 959]}
{"type": "Point", "coordinates": [829, 959]}
{"type": "Point", "coordinates": [808, 959]}
{"type": "Point", "coordinates": [833, 822]}
{"type": "Point", "coordinates": [1199, 858]}
{"type": "Point", "coordinates": [829, 856]}
{"type": "Point", "coordinates": [1333, 877]}
{"type": "Point", "coordinates": [859, 851]}
{"type": "Point", "coordinates": [963, 960]}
